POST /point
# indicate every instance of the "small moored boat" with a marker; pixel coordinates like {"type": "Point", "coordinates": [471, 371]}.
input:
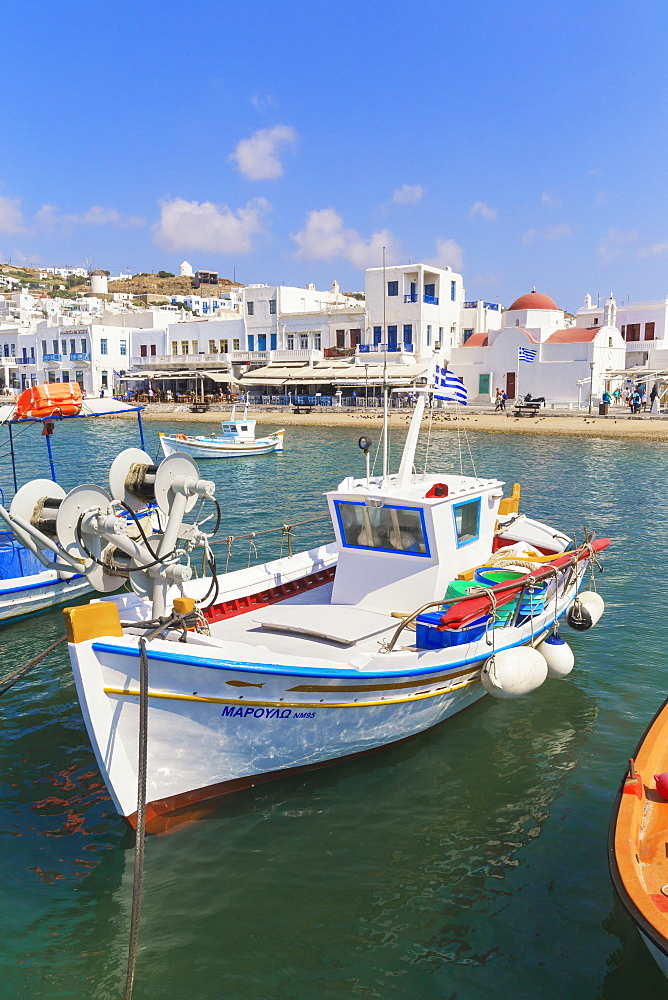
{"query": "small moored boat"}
{"type": "Point", "coordinates": [237, 440]}
{"type": "Point", "coordinates": [638, 835]}
{"type": "Point", "coordinates": [435, 592]}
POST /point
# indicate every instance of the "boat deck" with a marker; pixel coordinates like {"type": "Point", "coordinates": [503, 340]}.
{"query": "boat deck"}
{"type": "Point", "coordinates": [336, 632]}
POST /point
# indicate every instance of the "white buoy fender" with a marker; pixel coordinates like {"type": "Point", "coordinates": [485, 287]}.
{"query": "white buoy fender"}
{"type": "Point", "coordinates": [514, 672]}
{"type": "Point", "coordinates": [585, 611]}
{"type": "Point", "coordinates": [558, 656]}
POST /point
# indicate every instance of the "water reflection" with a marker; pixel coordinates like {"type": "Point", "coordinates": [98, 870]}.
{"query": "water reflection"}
{"type": "Point", "coordinates": [469, 862]}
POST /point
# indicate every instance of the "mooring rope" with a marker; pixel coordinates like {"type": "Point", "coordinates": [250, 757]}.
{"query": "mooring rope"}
{"type": "Point", "coordinates": [9, 680]}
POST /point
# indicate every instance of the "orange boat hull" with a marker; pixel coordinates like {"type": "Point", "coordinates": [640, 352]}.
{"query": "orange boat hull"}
{"type": "Point", "coordinates": [638, 836]}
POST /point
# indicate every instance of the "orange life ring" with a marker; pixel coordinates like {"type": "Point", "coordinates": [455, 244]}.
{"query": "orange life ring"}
{"type": "Point", "coordinates": [181, 437]}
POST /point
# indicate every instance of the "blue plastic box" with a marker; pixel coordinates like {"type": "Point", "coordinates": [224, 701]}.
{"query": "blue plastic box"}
{"type": "Point", "coordinates": [427, 635]}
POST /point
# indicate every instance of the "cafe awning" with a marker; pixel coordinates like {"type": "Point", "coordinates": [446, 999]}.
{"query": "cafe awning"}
{"type": "Point", "coordinates": [336, 374]}
{"type": "Point", "coordinates": [157, 376]}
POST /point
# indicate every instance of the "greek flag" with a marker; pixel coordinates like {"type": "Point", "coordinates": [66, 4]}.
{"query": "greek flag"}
{"type": "Point", "coordinates": [525, 354]}
{"type": "Point", "coordinates": [448, 387]}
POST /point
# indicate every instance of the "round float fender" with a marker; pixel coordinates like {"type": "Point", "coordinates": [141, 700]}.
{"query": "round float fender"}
{"type": "Point", "coordinates": [513, 672]}
{"type": "Point", "coordinates": [585, 611]}
{"type": "Point", "coordinates": [661, 781]}
{"type": "Point", "coordinates": [558, 655]}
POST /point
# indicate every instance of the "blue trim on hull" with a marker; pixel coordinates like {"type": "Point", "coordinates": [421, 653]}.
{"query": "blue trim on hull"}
{"type": "Point", "coordinates": [286, 670]}
{"type": "Point", "coordinates": [36, 586]}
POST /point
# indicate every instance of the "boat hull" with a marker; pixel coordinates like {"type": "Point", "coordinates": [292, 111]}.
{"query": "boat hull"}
{"type": "Point", "coordinates": [637, 838]}
{"type": "Point", "coordinates": [213, 448]}
{"type": "Point", "coordinates": [215, 726]}
{"type": "Point", "coordinates": [31, 594]}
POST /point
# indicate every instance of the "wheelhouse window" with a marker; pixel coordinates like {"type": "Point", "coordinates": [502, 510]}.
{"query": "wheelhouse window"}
{"type": "Point", "coordinates": [386, 528]}
{"type": "Point", "coordinates": [467, 521]}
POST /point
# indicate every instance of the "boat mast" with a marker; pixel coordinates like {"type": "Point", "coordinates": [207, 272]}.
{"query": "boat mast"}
{"type": "Point", "coordinates": [385, 413]}
{"type": "Point", "coordinates": [408, 456]}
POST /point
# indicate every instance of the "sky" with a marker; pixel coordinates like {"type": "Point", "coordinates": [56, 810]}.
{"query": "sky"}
{"type": "Point", "coordinates": [525, 145]}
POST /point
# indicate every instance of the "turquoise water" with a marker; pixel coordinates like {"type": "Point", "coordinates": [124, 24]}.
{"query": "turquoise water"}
{"type": "Point", "coordinates": [467, 863]}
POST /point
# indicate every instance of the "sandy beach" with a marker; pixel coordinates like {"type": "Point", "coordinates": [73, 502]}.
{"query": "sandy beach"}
{"type": "Point", "coordinates": [619, 425]}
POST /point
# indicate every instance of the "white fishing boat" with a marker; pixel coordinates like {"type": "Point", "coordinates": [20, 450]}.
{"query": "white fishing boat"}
{"type": "Point", "coordinates": [237, 441]}
{"type": "Point", "coordinates": [435, 592]}
{"type": "Point", "coordinates": [33, 579]}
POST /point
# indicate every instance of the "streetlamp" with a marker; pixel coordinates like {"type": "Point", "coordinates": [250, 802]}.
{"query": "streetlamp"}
{"type": "Point", "coordinates": [591, 383]}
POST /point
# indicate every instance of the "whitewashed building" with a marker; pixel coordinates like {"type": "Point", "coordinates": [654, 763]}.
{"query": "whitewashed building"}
{"type": "Point", "coordinates": [412, 310]}
{"type": "Point", "coordinates": [566, 357]}
{"type": "Point", "coordinates": [643, 326]}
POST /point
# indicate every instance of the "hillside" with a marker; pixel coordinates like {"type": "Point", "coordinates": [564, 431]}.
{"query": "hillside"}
{"type": "Point", "coordinates": [153, 284]}
{"type": "Point", "coordinates": [139, 284]}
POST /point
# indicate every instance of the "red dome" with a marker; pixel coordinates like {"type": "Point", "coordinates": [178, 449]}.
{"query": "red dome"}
{"type": "Point", "coordinates": [534, 300]}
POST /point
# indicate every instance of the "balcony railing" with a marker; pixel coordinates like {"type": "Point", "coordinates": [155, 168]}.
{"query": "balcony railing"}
{"type": "Point", "coordinates": [52, 357]}
{"type": "Point", "coordinates": [80, 357]}
{"type": "Point", "coordinates": [22, 361]}
{"type": "Point", "coordinates": [382, 348]}
{"type": "Point", "coordinates": [487, 305]}
{"type": "Point", "coordinates": [411, 298]}
{"type": "Point", "coordinates": [302, 354]}
{"type": "Point", "coordinates": [431, 300]}
{"type": "Point", "coordinates": [179, 360]}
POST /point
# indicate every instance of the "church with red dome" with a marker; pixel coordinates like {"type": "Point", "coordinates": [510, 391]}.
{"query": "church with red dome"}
{"type": "Point", "coordinates": [535, 351]}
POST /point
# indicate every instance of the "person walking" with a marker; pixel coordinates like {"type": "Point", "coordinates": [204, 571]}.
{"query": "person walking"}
{"type": "Point", "coordinates": [652, 396]}
{"type": "Point", "coordinates": [498, 400]}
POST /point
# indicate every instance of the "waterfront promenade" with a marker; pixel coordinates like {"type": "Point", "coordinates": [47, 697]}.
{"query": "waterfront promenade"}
{"type": "Point", "coordinates": [619, 424]}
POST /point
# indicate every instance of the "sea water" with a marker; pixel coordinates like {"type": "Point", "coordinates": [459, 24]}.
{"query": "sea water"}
{"type": "Point", "coordinates": [470, 862]}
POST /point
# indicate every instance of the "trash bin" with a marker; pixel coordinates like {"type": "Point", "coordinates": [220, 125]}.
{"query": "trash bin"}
{"type": "Point", "coordinates": [603, 409]}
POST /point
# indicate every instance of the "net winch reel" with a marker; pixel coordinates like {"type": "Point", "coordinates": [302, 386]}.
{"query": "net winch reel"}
{"type": "Point", "coordinates": [137, 482]}
{"type": "Point", "coordinates": [175, 487]}
{"type": "Point", "coordinates": [32, 517]}
{"type": "Point", "coordinates": [87, 515]}
{"type": "Point", "coordinates": [95, 537]}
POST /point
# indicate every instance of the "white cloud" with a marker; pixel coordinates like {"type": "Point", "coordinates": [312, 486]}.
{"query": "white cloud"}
{"type": "Point", "coordinates": [257, 158]}
{"type": "Point", "coordinates": [11, 217]}
{"type": "Point", "coordinates": [408, 194]}
{"type": "Point", "coordinates": [192, 225]}
{"type": "Point", "coordinates": [549, 198]}
{"type": "Point", "coordinates": [550, 233]}
{"type": "Point", "coordinates": [262, 103]}
{"type": "Point", "coordinates": [50, 217]}
{"type": "Point", "coordinates": [655, 250]}
{"type": "Point", "coordinates": [448, 254]}
{"type": "Point", "coordinates": [612, 245]}
{"type": "Point", "coordinates": [601, 198]}
{"type": "Point", "coordinates": [561, 232]}
{"type": "Point", "coordinates": [484, 211]}
{"type": "Point", "coordinates": [324, 237]}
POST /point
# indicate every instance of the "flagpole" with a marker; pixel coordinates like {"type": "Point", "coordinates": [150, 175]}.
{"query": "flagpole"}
{"type": "Point", "coordinates": [517, 380]}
